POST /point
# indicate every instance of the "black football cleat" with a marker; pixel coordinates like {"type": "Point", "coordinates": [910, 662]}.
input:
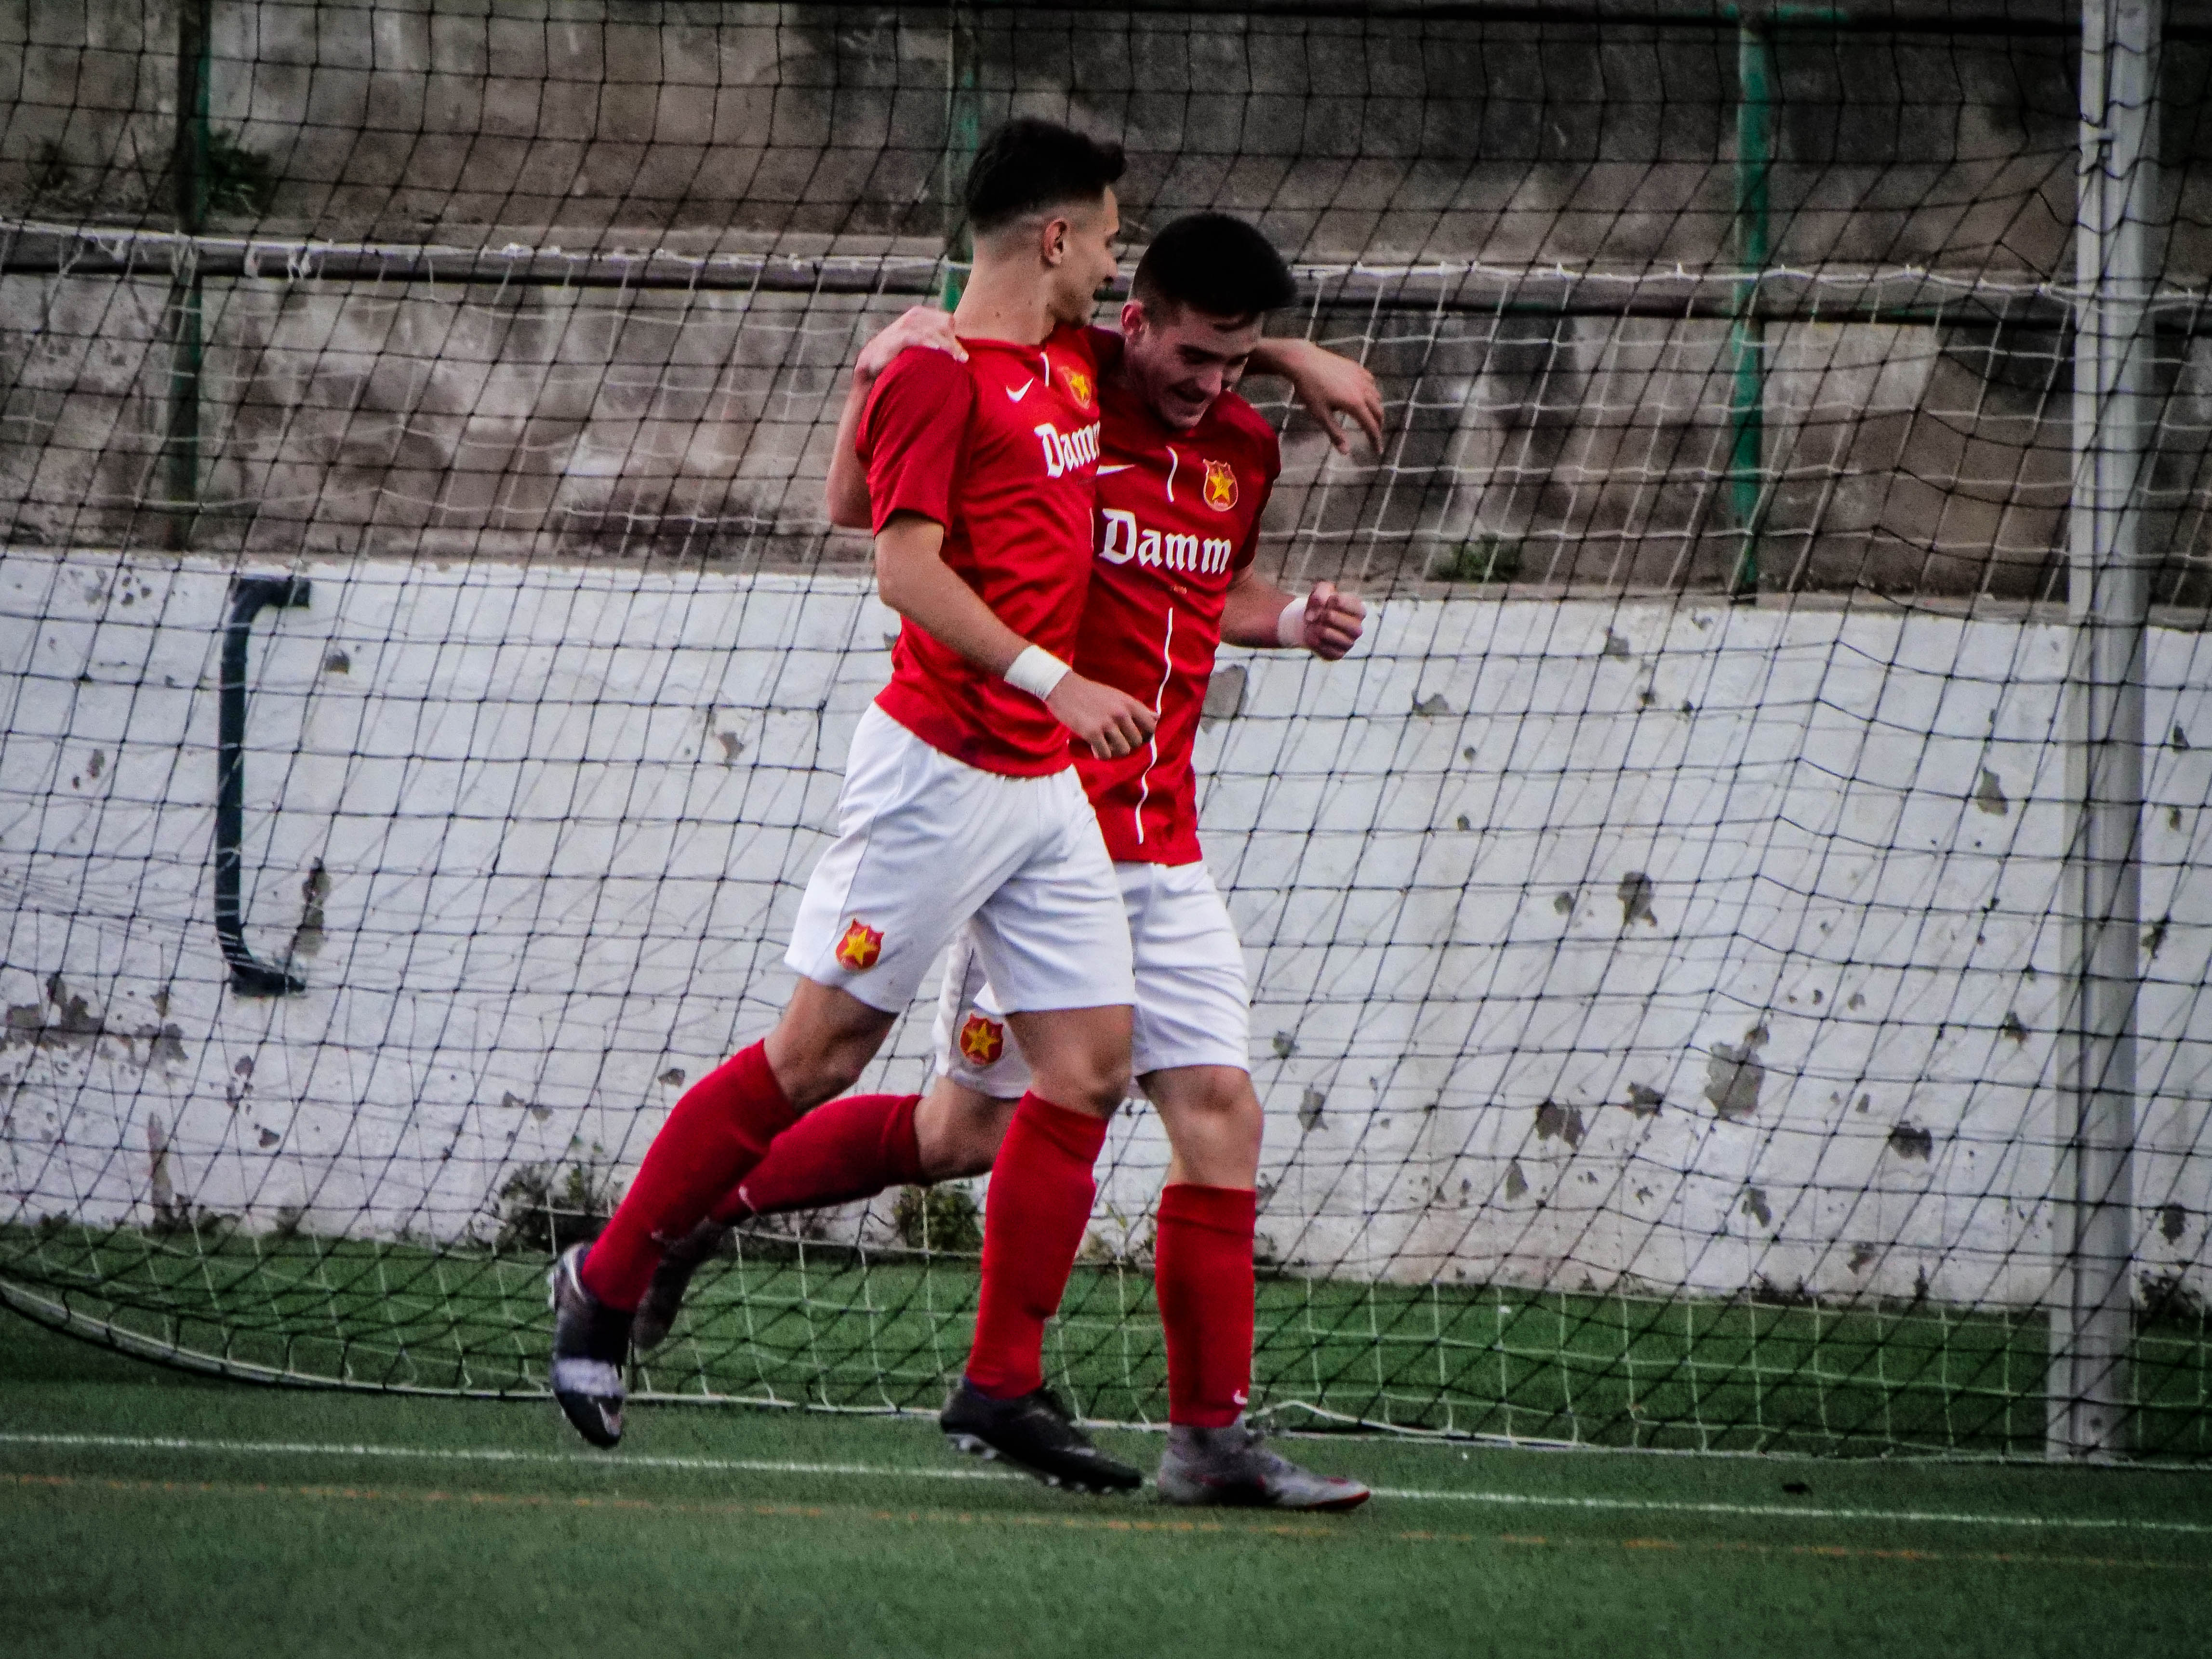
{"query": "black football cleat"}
{"type": "Point", "coordinates": [591, 1340]}
{"type": "Point", "coordinates": [1034, 1433]}
{"type": "Point", "coordinates": [664, 1296]}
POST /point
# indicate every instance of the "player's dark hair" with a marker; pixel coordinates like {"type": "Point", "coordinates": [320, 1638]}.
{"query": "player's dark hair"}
{"type": "Point", "coordinates": [1213, 263]}
{"type": "Point", "coordinates": [1030, 165]}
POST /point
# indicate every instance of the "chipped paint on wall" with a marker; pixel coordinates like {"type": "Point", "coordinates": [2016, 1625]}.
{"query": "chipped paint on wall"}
{"type": "Point", "coordinates": [549, 895]}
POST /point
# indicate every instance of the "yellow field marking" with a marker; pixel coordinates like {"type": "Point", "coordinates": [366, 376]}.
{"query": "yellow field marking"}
{"type": "Point", "coordinates": [1348, 1530]}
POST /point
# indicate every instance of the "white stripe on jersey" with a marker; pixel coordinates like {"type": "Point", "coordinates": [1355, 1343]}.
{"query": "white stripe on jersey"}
{"type": "Point", "coordinates": [1159, 701]}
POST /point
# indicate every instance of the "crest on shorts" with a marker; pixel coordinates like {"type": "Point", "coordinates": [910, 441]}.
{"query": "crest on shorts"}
{"type": "Point", "coordinates": [982, 1041]}
{"type": "Point", "coordinates": [1077, 384]}
{"type": "Point", "coordinates": [1220, 486]}
{"type": "Point", "coordinates": [860, 947]}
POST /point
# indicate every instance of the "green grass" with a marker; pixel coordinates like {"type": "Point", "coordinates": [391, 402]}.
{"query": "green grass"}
{"type": "Point", "coordinates": [822, 1328]}
{"type": "Point", "coordinates": [248, 1520]}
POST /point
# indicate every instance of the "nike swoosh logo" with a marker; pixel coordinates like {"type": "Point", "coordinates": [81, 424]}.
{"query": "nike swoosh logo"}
{"type": "Point", "coordinates": [1014, 397]}
{"type": "Point", "coordinates": [1124, 467]}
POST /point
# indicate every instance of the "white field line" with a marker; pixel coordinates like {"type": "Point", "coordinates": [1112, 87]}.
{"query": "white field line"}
{"type": "Point", "coordinates": [764, 1466]}
{"type": "Point", "coordinates": [612, 1461]}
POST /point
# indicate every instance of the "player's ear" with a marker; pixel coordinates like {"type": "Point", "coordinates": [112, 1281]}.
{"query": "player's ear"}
{"type": "Point", "coordinates": [1133, 321]}
{"type": "Point", "coordinates": [1052, 240]}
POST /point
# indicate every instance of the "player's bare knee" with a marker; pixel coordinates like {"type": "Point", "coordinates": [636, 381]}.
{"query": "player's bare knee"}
{"type": "Point", "coordinates": [1080, 1058]}
{"type": "Point", "coordinates": [823, 1072]}
{"type": "Point", "coordinates": [822, 1044]}
{"type": "Point", "coordinates": [1236, 1107]}
{"type": "Point", "coordinates": [1096, 1084]}
{"type": "Point", "coordinates": [1107, 1081]}
{"type": "Point", "coordinates": [1110, 1087]}
{"type": "Point", "coordinates": [1247, 1143]}
{"type": "Point", "coordinates": [1213, 1121]}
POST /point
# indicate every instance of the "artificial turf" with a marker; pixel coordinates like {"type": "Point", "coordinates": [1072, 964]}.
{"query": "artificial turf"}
{"type": "Point", "coordinates": [145, 1512]}
{"type": "Point", "coordinates": [832, 1327]}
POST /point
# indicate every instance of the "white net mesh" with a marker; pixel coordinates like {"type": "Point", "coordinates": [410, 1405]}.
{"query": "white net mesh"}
{"type": "Point", "coordinates": [1655, 929]}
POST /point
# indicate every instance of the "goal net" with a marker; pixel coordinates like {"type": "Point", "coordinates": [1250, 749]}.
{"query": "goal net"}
{"type": "Point", "coordinates": [425, 676]}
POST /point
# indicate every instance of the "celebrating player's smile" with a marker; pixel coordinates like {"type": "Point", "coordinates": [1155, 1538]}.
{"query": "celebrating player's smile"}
{"type": "Point", "coordinates": [1186, 472]}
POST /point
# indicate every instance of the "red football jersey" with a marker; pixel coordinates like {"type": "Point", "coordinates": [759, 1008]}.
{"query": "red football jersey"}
{"type": "Point", "coordinates": [1178, 519]}
{"type": "Point", "coordinates": [1003, 450]}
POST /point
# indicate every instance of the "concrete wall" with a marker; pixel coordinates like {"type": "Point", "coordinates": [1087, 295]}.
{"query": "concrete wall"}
{"type": "Point", "coordinates": [396, 417]}
{"type": "Point", "coordinates": [1390, 139]}
{"type": "Point", "coordinates": [446, 420]}
{"type": "Point", "coordinates": [460, 420]}
{"type": "Point", "coordinates": [1653, 943]}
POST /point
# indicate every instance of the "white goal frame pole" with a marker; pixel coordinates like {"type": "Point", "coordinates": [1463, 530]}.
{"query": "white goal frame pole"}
{"type": "Point", "coordinates": [2108, 595]}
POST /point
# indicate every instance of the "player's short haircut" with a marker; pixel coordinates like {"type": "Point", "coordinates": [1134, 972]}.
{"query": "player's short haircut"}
{"type": "Point", "coordinates": [1031, 165]}
{"type": "Point", "coordinates": [1215, 265]}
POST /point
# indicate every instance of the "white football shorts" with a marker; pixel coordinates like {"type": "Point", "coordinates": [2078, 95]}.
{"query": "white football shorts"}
{"type": "Point", "coordinates": [927, 843]}
{"type": "Point", "coordinates": [1192, 1007]}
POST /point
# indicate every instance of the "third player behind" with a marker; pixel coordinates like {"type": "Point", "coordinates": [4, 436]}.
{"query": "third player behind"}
{"type": "Point", "coordinates": [1185, 473]}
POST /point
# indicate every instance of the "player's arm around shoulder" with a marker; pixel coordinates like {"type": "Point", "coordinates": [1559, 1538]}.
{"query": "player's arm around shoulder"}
{"type": "Point", "coordinates": [846, 488]}
{"type": "Point", "coordinates": [1331, 388]}
{"type": "Point", "coordinates": [910, 437]}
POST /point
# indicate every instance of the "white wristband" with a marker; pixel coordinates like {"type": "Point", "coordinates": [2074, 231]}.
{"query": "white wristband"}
{"type": "Point", "coordinates": [1036, 670]}
{"type": "Point", "coordinates": [1291, 626]}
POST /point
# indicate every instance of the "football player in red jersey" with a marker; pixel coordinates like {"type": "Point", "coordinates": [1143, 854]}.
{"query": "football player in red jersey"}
{"type": "Point", "coordinates": [960, 811]}
{"type": "Point", "coordinates": [1185, 470]}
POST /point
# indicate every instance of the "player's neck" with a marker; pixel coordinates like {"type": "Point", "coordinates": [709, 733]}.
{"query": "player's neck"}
{"type": "Point", "coordinates": [1005, 300]}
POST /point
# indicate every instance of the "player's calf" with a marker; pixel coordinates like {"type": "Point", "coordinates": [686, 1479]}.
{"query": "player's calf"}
{"type": "Point", "coordinates": [850, 1149]}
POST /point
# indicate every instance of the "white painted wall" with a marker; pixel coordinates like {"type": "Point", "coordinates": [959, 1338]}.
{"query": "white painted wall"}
{"type": "Point", "coordinates": [1510, 869]}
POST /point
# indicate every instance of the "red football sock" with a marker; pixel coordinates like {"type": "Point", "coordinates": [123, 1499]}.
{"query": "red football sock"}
{"type": "Point", "coordinates": [1033, 1221]}
{"type": "Point", "coordinates": [1202, 1275]}
{"type": "Point", "coordinates": [850, 1148]}
{"type": "Point", "coordinates": [720, 1129]}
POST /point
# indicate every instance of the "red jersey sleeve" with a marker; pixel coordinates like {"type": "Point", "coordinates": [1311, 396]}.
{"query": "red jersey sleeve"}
{"type": "Point", "coordinates": [914, 435]}
{"type": "Point", "coordinates": [1267, 462]}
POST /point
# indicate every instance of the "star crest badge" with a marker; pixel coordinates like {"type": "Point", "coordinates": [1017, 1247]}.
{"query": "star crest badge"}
{"type": "Point", "coordinates": [1220, 488]}
{"type": "Point", "coordinates": [982, 1041]}
{"type": "Point", "coordinates": [861, 947]}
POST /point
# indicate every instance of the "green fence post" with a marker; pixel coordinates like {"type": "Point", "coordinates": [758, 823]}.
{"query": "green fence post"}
{"type": "Point", "coordinates": [1754, 160]}
{"type": "Point", "coordinates": [188, 169]}
{"type": "Point", "coordinates": [962, 132]}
